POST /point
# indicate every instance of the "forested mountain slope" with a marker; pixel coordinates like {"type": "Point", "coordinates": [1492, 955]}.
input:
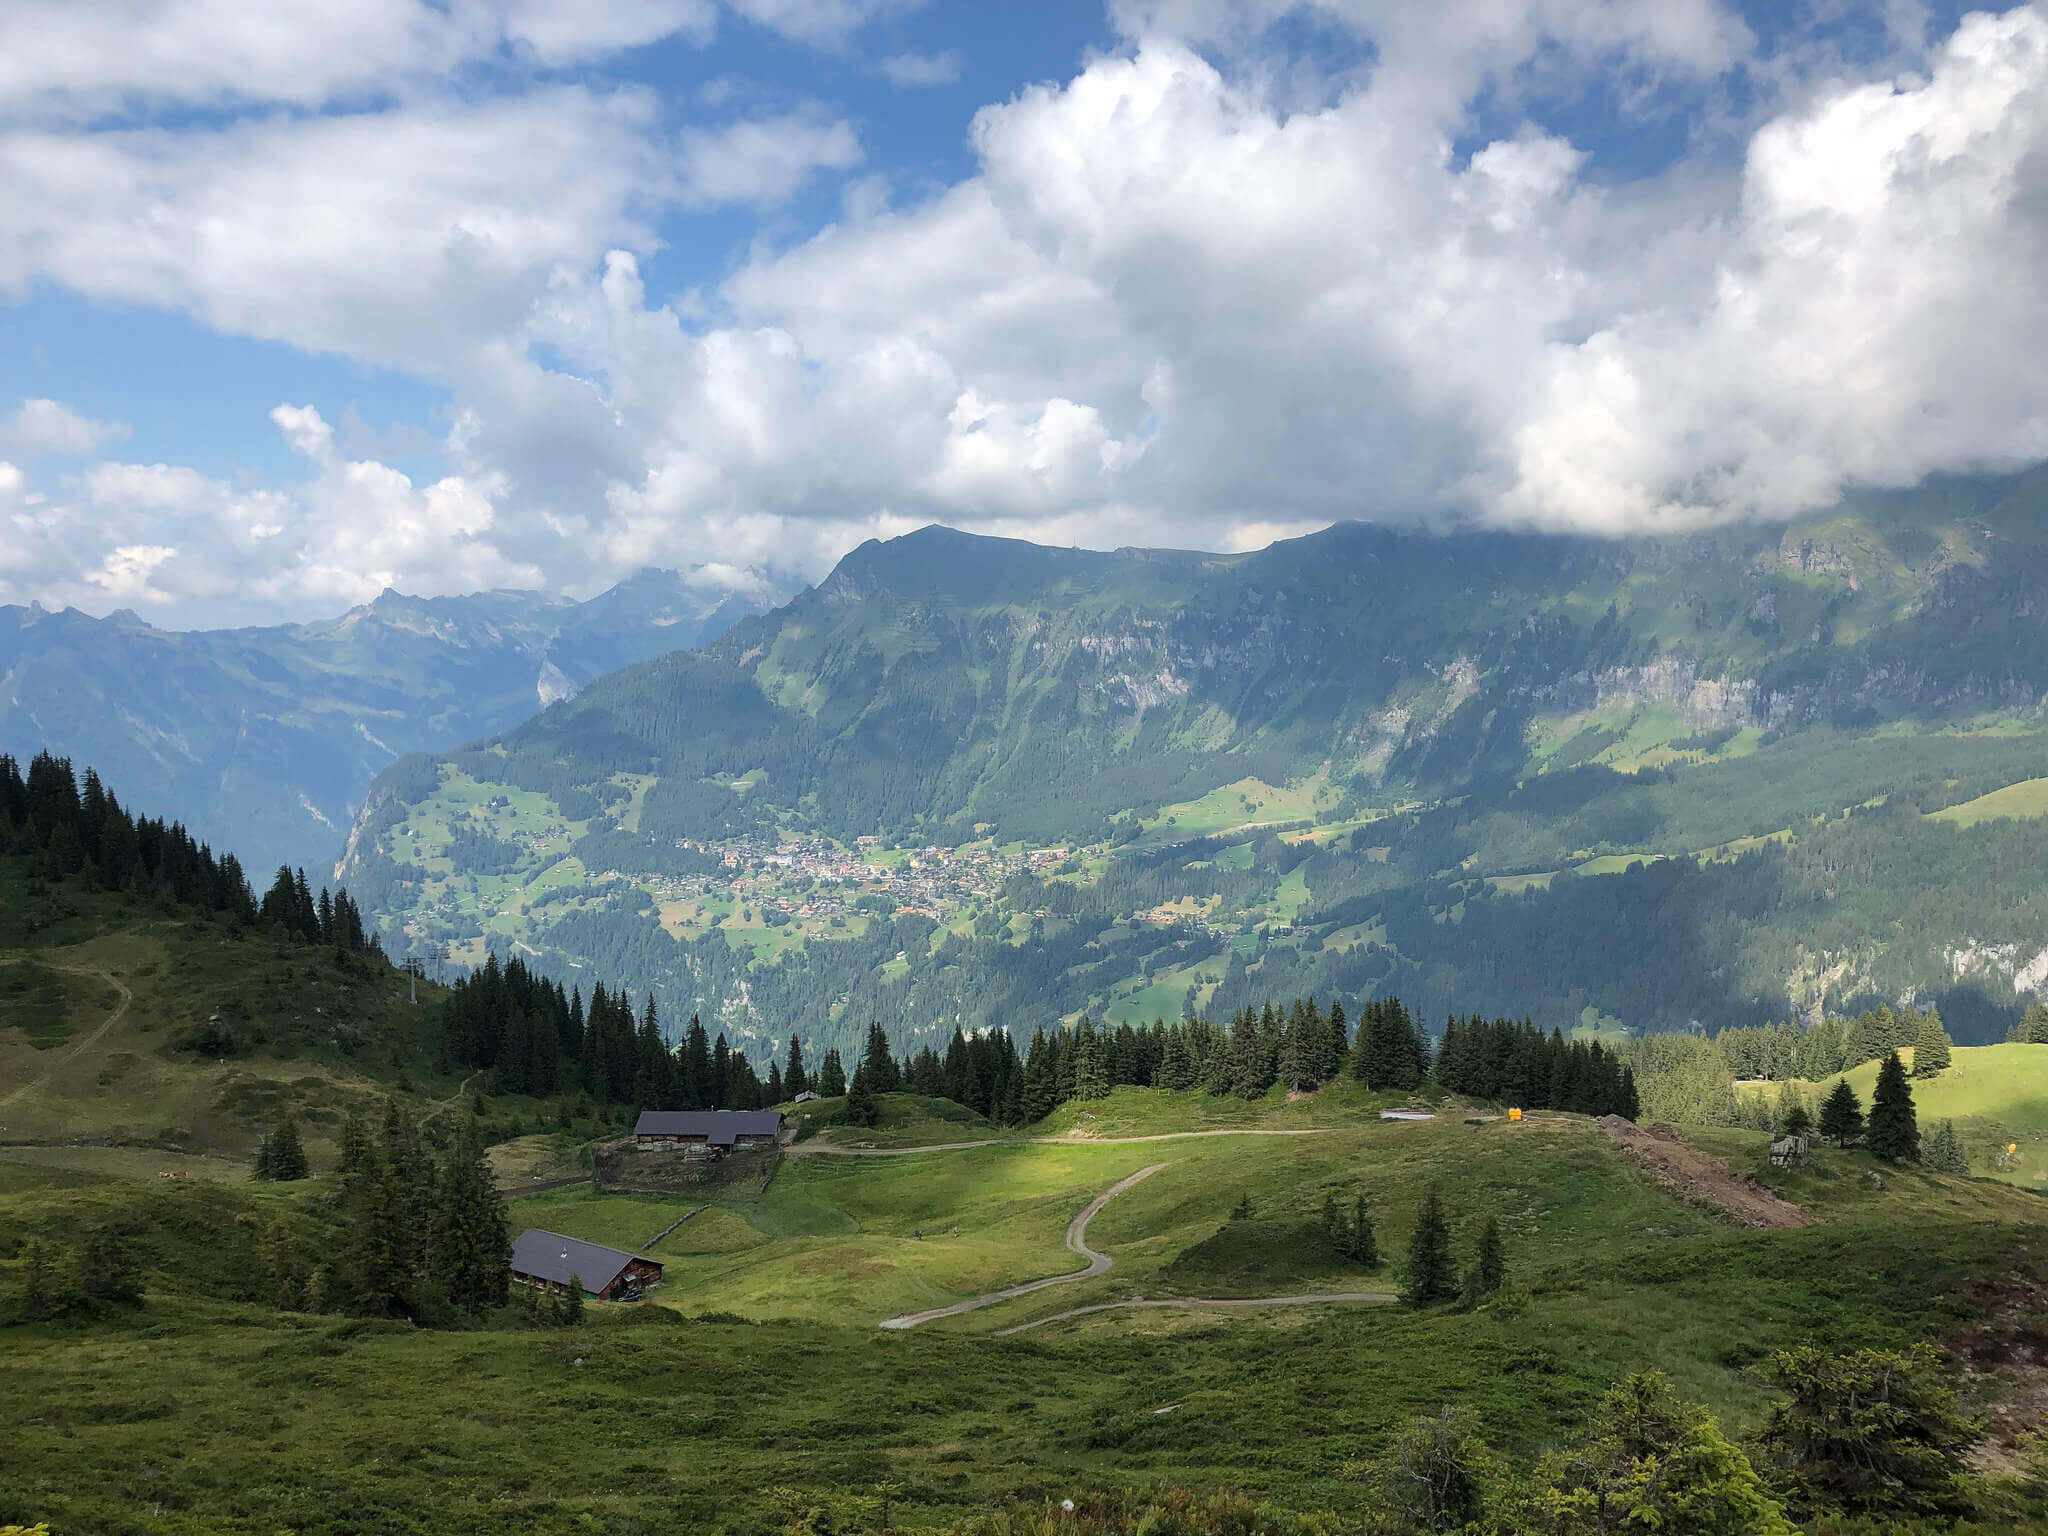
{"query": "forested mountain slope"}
{"type": "Point", "coordinates": [268, 737]}
{"type": "Point", "coordinates": [974, 781]}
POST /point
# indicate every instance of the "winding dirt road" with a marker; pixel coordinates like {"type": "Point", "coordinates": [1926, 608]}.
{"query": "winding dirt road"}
{"type": "Point", "coordinates": [816, 1149]}
{"type": "Point", "coordinates": [1077, 1239]}
{"type": "Point", "coordinates": [90, 1040]}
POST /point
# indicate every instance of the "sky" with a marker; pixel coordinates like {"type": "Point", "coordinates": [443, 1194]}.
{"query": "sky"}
{"type": "Point", "coordinates": [300, 301]}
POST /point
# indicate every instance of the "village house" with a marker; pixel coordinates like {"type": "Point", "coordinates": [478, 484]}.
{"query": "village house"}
{"type": "Point", "coordinates": [549, 1259]}
{"type": "Point", "coordinates": [717, 1131]}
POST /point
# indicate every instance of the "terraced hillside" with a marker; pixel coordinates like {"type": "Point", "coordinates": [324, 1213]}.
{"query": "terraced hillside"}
{"type": "Point", "coordinates": [969, 782]}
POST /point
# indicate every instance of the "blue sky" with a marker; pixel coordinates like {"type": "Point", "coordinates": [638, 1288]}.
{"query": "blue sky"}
{"type": "Point", "coordinates": [499, 292]}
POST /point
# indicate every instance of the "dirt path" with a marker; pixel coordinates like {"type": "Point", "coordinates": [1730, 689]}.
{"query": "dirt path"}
{"type": "Point", "coordinates": [1308, 1300]}
{"type": "Point", "coordinates": [1077, 1239]}
{"type": "Point", "coordinates": [90, 1040]}
{"type": "Point", "coordinates": [814, 1149]}
{"type": "Point", "coordinates": [1692, 1175]}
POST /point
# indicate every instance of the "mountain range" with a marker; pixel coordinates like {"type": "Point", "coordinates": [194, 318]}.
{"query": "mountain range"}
{"type": "Point", "coordinates": [264, 740]}
{"type": "Point", "coordinates": [1714, 777]}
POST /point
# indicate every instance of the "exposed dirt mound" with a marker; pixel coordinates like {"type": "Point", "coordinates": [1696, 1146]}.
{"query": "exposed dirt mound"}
{"type": "Point", "coordinates": [1691, 1174]}
{"type": "Point", "coordinates": [2004, 1357]}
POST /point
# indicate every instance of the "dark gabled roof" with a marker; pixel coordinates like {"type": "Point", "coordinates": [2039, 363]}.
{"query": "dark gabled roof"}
{"type": "Point", "coordinates": [719, 1126]}
{"type": "Point", "coordinates": [551, 1256]}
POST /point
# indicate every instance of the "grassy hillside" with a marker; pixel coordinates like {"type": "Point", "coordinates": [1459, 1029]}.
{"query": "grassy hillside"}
{"type": "Point", "coordinates": [1996, 1094]}
{"type": "Point", "coordinates": [681, 1415]}
{"type": "Point", "coordinates": [974, 783]}
{"type": "Point", "coordinates": [130, 1022]}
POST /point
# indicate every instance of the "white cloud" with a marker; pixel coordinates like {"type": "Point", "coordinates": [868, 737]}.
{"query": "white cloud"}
{"type": "Point", "coordinates": [1198, 293]}
{"type": "Point", "coordinates": [125, 573]}
{"type": "Point", "coordinates": [908, 70]}
{"type": "Point", "coordinates": [81, 59]}
{"type": "Point", "coordinates": [763, 160]}
{"type": "Point", "coordinates": [50, 427]}
{"type": "Point", "coordinates": [822, 23]}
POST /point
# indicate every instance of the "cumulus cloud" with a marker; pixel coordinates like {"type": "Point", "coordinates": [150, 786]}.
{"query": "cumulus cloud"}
{"type": "Point", "coordinates": [1204, 291]}
{"type": "Point", "coordinates": [50, 427]}
{"type": "Point", "coordinates": [763, 160]}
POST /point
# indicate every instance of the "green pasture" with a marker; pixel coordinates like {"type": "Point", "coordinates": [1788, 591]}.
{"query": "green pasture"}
{"type": "Point", "coordinates": [756, 1383]}
{"type": "Point", "coordinates": [2028, 798]}
{"type": "Point", "coordinates": [1996, 1094]}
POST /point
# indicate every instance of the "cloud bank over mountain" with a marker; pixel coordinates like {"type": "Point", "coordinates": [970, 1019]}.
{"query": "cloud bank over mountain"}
{"type": "Point", "coordinates": [1248, 269]}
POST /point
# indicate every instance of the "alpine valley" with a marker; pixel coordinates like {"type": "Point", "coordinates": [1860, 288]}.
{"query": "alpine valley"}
{"type": "Point", "coordinates": [265, 739]}
{"type": "Point", "coordinates": [1739, 774]}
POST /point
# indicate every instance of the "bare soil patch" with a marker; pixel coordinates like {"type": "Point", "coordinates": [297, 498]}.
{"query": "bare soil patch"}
{"type": "Point", "coordinates": [1695, 1176]}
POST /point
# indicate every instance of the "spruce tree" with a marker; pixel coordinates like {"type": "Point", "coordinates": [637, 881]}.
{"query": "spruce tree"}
{"type": "Point", "coordinates": [1428, 1277]}
{"type": "Point", "coordinates": [1330, 1223]}
{"type": "Point", "coordinates": [794, 1079]}
{"type": "Point", "coordinates": [1362, 1246]}
{"type": "Point", "coordinates": [1489, 1270]}
{"type": "Point", "coordinates": [374, 1252]}
{"type": "Point", "coordinates": [1893, 1132]}
{"type": "Point", "coordinates": [2032, 1028]}
{"type": "Point", "coordinates": [1930, 1047]}
{"type": "Point", "coordinates": [282, 1155]}
{"type": "Point", "coordinates": [355, 1141]}
{"type": "Point", "coordinates": [1943, 1151]}
{"type": "Point", "coordinates": [571, 1314]}
{"type": "Point", "coordinates": [469, 1250]}
{"type": "Point", "coordinates": [1841, 1114]}
{"type": "Point", "coordinates": [861, 1108]}
{"type": "Point", "coordinates": [832, 1076]}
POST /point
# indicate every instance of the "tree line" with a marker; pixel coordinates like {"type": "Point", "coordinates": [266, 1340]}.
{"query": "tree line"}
{"type": "Point", "coordinates": [72, 829]}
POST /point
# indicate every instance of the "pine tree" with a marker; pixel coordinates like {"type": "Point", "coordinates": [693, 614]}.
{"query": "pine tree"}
{"type": "Point", "coordinates": [469, 1250]}
{"type": "Point", "coordinates": [1362, 1245]}
{"type": "Point", "coordinates": [2032, 1028]}
{"type": "Point", "coordinates": [374, 1251]}
{"type": "Point", "coordinates": [1489, 1270]}
{"type": "Point", "coordinates": [1893, 1132]}
{"type": "Point", "coordinates": [861, 1108]}
{"type": "Point", "coordinates": [1930, 1047]}
{"type": "Point", "coordinates": [282, 1155]}
{"type": "Point", "coordinates": [1428, 1276]}
{"type": "Point", "coordinates": [1841, 1114]}
{"type": "Point", "coordinates": [355, 1141]}
{"type": "Point", "coordinates": [1943, 1151]}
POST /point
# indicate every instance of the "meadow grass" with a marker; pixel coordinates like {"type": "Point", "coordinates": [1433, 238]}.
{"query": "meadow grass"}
{"type": "Point", "coordinates": [2027, 798]}
{"type": "Point", "coordinates": [196, 1414]}
{"type": "Point", "coordinates": [1996, 1094]}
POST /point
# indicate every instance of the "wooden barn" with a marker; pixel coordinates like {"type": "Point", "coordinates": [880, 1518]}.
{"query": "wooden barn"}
{"type": "Point", "coordinates": [717, 1131]}
{"type": "Point", "coordinates": [610, 1274]}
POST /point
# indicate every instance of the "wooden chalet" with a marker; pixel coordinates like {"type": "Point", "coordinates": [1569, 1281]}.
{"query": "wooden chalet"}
{"type": "Point", "coordinates": [717, 1131]}
{"type": "Point", "coordinates": [547, 1258]}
